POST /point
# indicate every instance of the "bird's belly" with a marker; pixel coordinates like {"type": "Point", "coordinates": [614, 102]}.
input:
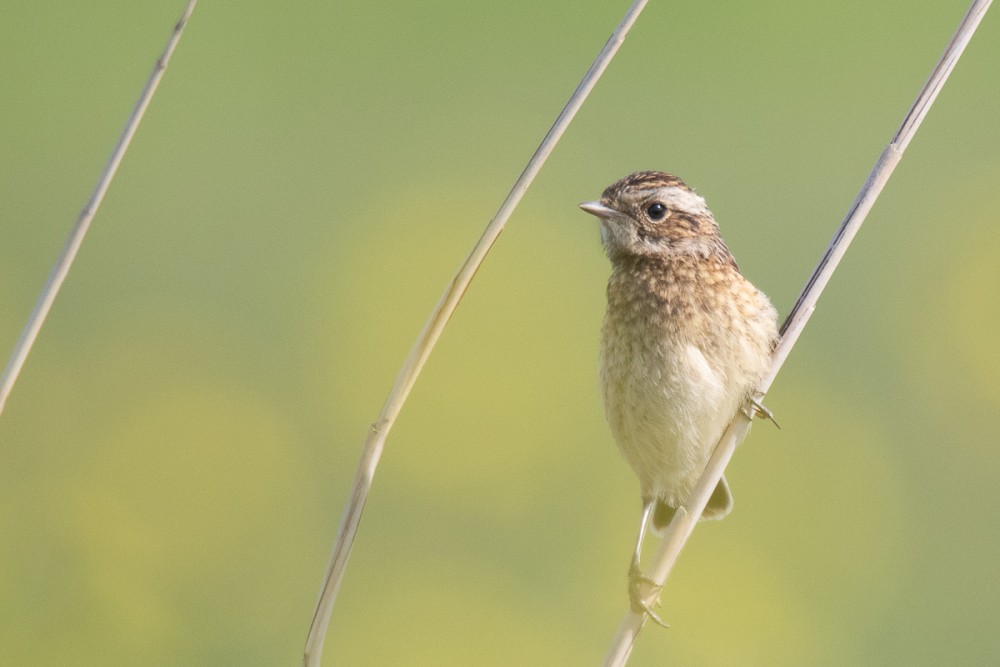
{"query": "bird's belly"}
{"type": "Point", "coordinates": [667, 409]}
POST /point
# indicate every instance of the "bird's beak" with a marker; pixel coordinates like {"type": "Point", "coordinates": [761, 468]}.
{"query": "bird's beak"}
{"type": "Point", "coordinates": [598, 209]}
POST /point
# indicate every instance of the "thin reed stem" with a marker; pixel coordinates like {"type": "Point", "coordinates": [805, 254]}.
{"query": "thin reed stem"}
{"type": "Point", "coordinates": [65, 260]}
{"type": "Point", "coordinates": [680, 529]}
{"type": "Point", "coordinates": [372, 449]}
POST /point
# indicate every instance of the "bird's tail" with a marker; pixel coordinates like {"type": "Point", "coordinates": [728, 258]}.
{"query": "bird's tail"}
{"type": "Point", "coordinates": [719, 505]}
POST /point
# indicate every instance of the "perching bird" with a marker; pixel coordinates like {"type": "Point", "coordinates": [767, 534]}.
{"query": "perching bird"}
{"type": "Point", "coordinates": [685, 342]}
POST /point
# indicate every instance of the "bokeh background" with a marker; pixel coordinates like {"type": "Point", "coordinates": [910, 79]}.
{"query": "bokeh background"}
{"type": "Point", "coordinates": [178, 451]}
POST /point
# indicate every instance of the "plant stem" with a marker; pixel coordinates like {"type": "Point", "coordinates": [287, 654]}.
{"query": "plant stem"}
{"type": "Point", "coordinates": [79, 231]}
{"type": "Point", "coordinates": [680, 529]}
{"type": "Point", "coordinates": [372, 449]}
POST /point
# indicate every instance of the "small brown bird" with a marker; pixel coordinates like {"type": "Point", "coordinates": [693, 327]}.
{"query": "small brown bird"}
{"type": "Point", "coordinates": [685, 342]}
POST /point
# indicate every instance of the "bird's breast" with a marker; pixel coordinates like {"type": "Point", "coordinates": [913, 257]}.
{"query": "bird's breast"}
{"type": "Point", "coordinates": [676, 363]}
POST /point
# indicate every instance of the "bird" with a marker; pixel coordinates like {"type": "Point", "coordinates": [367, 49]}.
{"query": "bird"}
{"type": "Point", "coordinates": [685, 342]}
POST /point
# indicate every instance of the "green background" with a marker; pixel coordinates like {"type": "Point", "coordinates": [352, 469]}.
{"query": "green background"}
{"type": "Point", "coordinates": [178, 451]}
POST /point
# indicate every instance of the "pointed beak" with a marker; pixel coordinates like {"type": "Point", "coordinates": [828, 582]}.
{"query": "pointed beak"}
{"type": "Point", "coordinates": [598, 209]}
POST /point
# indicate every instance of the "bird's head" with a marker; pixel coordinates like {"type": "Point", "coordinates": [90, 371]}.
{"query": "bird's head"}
{"type": "Point", "coordinates": [652, 213]}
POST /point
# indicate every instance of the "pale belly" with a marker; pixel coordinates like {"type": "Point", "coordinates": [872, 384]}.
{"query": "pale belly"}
{"type": "Point", "coordinates": [667, 408]}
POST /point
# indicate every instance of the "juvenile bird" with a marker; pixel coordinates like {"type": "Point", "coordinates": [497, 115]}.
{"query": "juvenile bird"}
{"type": "Point", "coordinates": [686, 340]}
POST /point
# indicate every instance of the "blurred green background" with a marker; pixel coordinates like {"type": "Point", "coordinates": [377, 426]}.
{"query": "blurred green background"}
{"type": "Point", "coordinates": [178, 451]}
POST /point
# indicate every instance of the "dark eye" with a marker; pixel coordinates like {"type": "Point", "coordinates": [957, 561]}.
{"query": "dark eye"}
{"type": "Point", "coordinates": [656, 211]}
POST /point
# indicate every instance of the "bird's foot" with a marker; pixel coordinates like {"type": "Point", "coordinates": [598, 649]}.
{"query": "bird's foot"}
{"type": "Point", "coordinates": [639, 588]}
{"type": "Point", "coordinates": [757, 409]}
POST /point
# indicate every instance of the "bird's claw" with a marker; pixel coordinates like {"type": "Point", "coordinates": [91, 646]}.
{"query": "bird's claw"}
{"type": "Point", "coordinates": [636, 582]}
{"type": "Point", "coordinates": [757, 409]}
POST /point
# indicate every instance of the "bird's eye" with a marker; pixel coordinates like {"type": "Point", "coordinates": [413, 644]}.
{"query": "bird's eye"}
{"type": "Point", "coordinates": [656, 211]}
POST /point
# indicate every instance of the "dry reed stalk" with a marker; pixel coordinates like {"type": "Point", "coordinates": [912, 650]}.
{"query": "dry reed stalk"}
{"type": "Point", "coordinates": [65, 260]}
{"type": "Point", "coordinates": [374, 443]}
{"type": "Point", "coordinates": [680, 529]}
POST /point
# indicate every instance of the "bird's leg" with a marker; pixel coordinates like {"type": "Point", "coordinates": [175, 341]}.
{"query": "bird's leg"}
{"type": "Point", "coordinates": [637, 581]}
{"type": "Point", "coordinates": [757, 409]}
